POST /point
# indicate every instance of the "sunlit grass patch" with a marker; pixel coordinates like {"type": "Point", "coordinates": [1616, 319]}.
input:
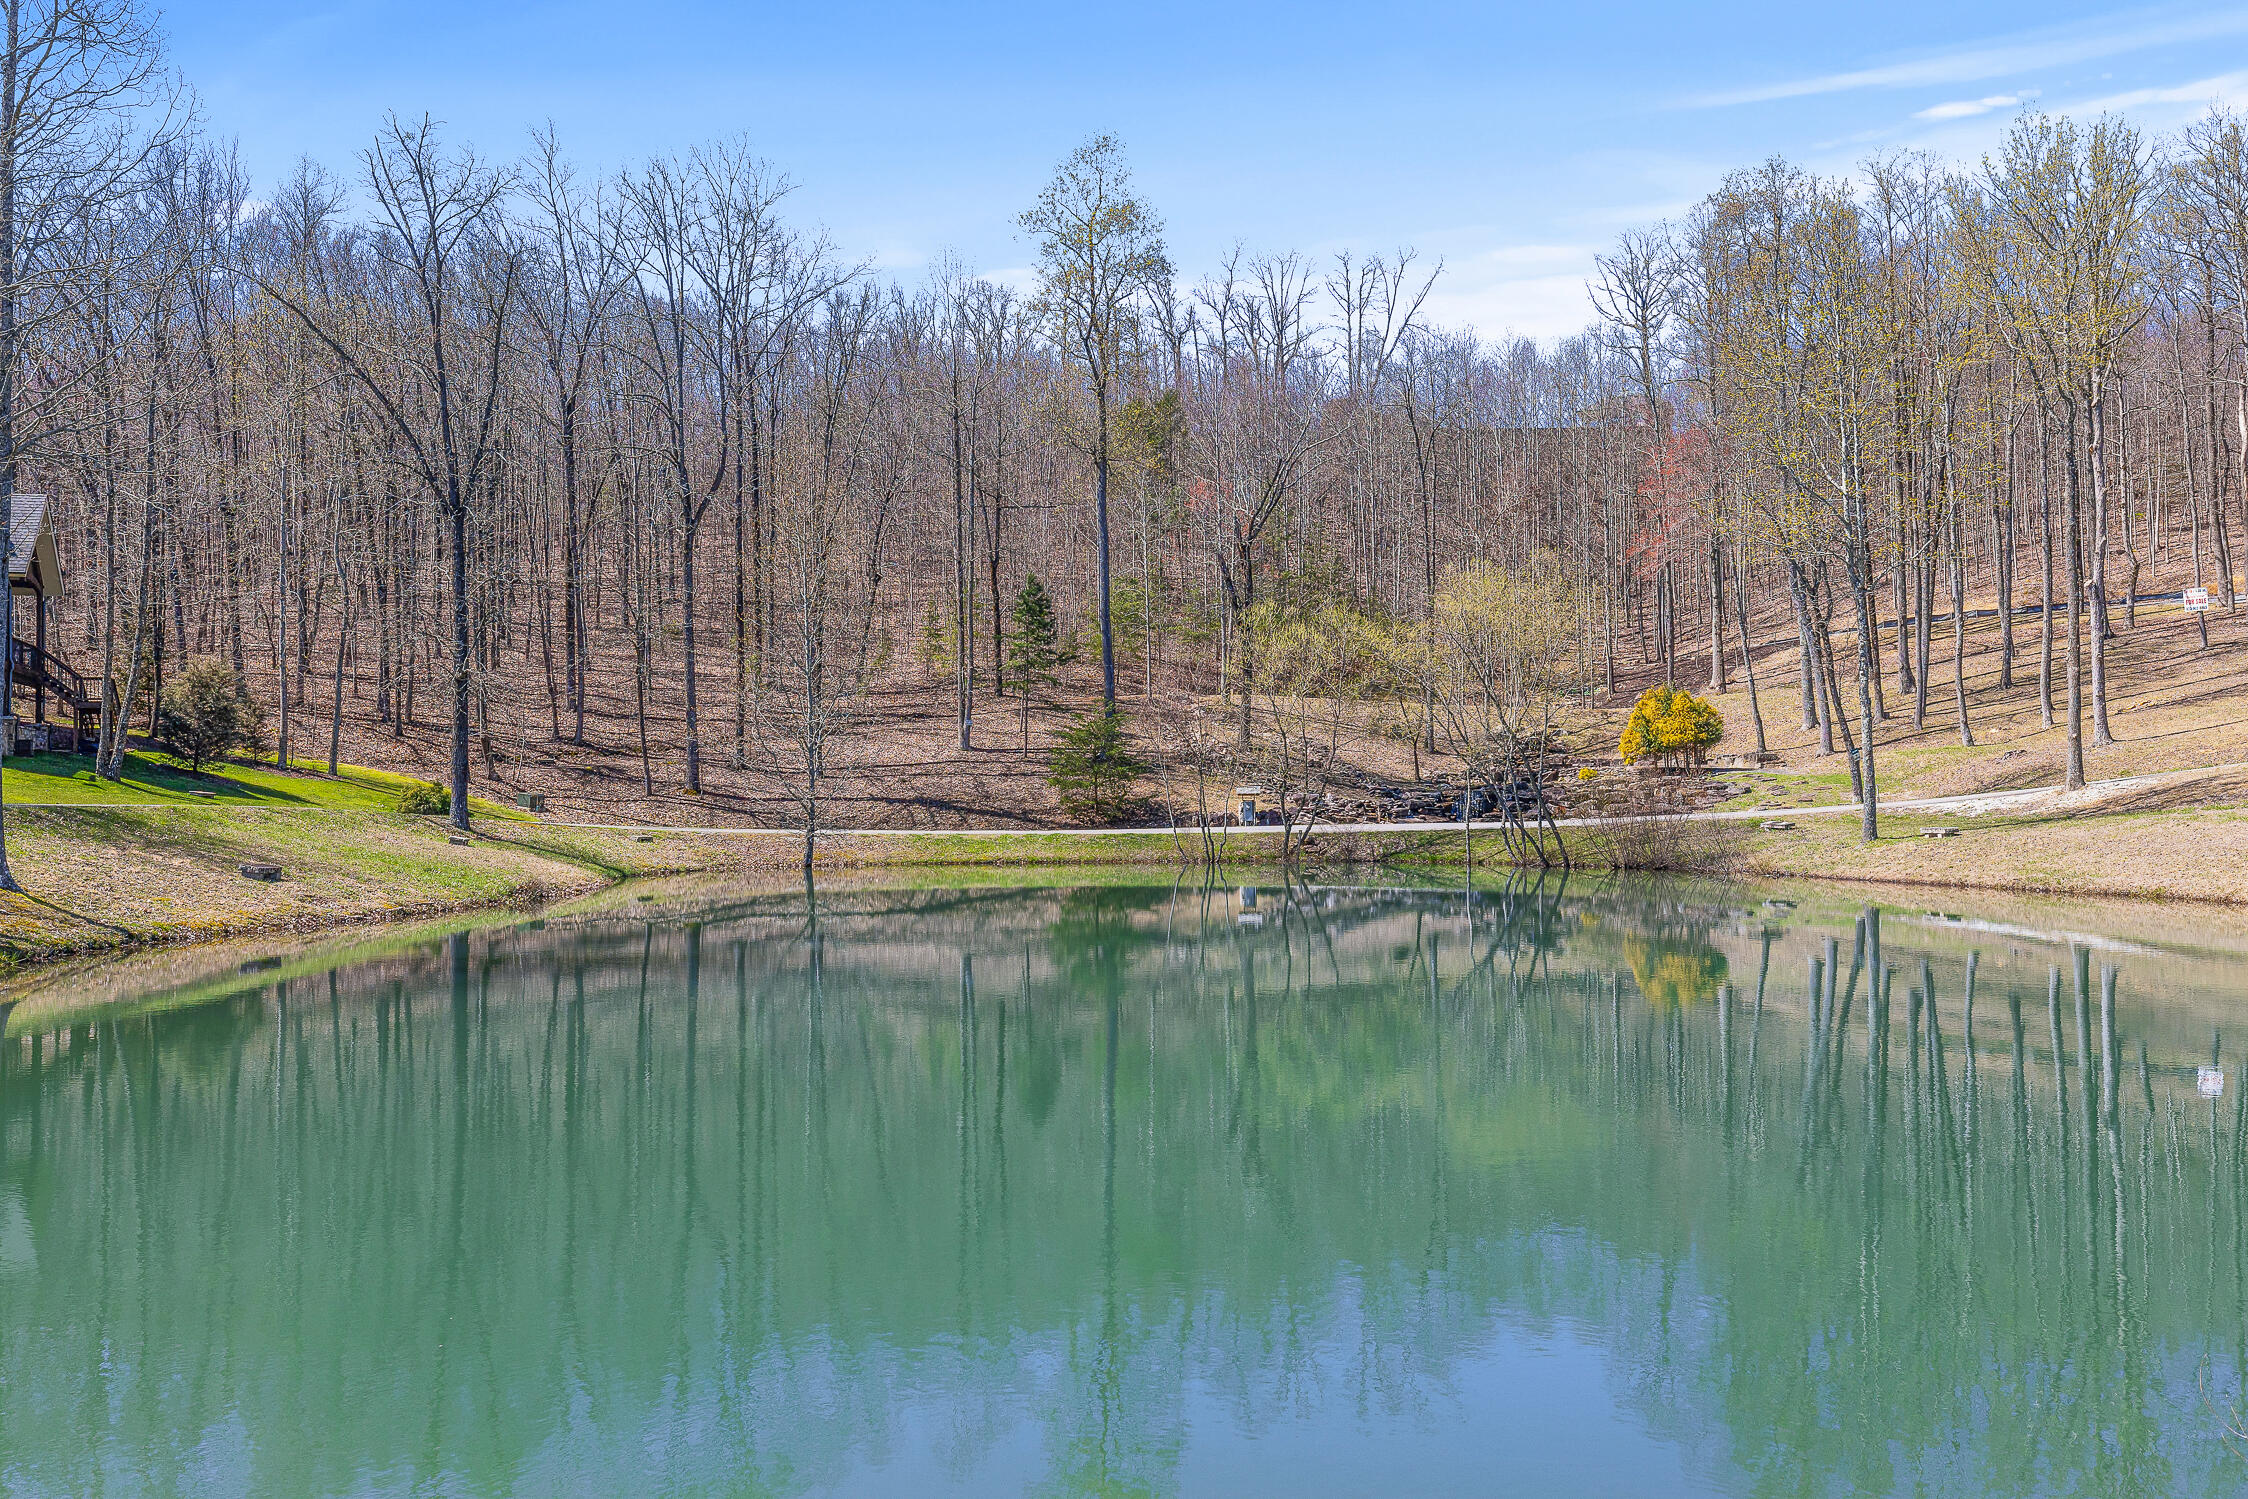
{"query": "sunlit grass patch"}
{"type": "Point", "coordinates": [154, 777]}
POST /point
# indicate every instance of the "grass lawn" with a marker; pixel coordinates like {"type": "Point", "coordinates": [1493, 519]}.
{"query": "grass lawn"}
{"type": "Point", "coordinates": [154, 778]}
{"type": "Point", "coordinates": [99, 877]}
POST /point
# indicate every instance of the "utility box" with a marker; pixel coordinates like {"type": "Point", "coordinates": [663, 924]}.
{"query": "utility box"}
{"type": "Point", "coordinates": [1250, 803]}
{"type": "Point", "coordinates": [532, 801]}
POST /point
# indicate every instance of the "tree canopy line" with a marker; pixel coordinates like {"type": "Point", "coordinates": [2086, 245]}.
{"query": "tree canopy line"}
{"type": "Point", "coordinates": [519, 454]}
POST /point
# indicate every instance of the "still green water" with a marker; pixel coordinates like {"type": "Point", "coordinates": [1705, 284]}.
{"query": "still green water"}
{"type": "Point", "coordinates": [1144, 1191]}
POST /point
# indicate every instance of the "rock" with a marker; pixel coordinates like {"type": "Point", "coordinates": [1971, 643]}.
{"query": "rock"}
{"type": "Point", "coordinates": [1777, 825]}
{"type": "Point", "coordinates": [458, 840]}
{"type": "Point", "coordinates": [266, 872]}
{"type": "Point", "coordinates": [1939, 832]}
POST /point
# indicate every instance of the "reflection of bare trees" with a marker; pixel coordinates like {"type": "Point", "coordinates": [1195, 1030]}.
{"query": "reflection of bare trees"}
{"type": "Point", "coordinates": [1099, 1166]}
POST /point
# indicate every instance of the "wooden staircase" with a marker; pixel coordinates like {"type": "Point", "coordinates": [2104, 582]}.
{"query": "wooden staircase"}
{"type": "Point", "coordinates": [39, 671]}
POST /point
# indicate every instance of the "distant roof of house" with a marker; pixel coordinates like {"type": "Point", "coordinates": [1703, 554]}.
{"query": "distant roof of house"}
{"type": "Point", "coordinates": [26, 514]}
{"type": "Point", "coordinates": [31, 542]}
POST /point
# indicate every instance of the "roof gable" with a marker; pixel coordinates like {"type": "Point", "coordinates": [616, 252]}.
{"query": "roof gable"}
{"type": "Point", "coordinates": [31, 545]}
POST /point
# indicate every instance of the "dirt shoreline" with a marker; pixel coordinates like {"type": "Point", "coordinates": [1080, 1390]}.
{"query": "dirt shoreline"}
{"type": "Point", "coordinates": [105, 880]}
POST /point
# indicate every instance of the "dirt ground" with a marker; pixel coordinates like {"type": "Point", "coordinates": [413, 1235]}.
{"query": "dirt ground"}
{"type": "Point", "coordinates": [2172, 705]}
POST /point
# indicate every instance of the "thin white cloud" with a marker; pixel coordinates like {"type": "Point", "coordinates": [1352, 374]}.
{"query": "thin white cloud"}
{"type": "Point", "coordinates": [1961, 109]}
{"type": "Point", "coordinates": [1636, 215]}
{"type": "Point", "coordinates": [1524, 256]}
{"type": "Point", "coordinates": [2224, 88]}
{"type": "Point", "coordinates": [1998, 57]}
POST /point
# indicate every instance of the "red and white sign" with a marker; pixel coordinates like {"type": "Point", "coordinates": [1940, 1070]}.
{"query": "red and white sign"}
{"type": "Point", "coordinates": [2196, 600]}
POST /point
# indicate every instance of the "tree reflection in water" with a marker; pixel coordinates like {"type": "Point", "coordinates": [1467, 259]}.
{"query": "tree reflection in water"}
{"type": "Point", "coordinates": [1066, 1190]}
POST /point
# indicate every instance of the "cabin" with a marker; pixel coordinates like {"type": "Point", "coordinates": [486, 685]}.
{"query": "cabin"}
{"type": "Point", "coordinates": [34, 583]}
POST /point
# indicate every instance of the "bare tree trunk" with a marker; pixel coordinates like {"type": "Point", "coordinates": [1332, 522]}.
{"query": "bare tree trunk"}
{"type": "Point", "coordinates": [2045, 605]}
{"type": "Point", "coordinates": [1833, 715]}
{"type": "Point", "coordinates": [1959, 623]}
{"type": "Point", "coordinates": [2003, 558]}
{"type": "Point", "coordinates": [2186, 447]}
{"type": "Point", "coordinates": [1904, 626]}
{"type": "Point", "coordinates": [963, 607]}
{"type": "Point", "coordinates": [1924, 607]}
{"type": "Point", "coordinates": [1807, 659]}
{"type": "Point", "coordinates": [1868, 669]}
{"type": "Point", "coordinates": [574, 629]}
{"type": "Point", "coordinates": [12, 106]}
{"type": "Point", "coordinates": [2074, 561]}
{"type": "Point", "coordinates": [1108, 632]}
{"type": "Point", "coordinates": [2095, 411]}
{"type": "Point", "coordinates": [1748, 656]}
{"type": "Point", "coordinates": [687, 603]}
{"type": "Point", "coordinates": [146, 613]}
{"type": "Point", "coordinates": [1716, 614]}
{"type": "Point", "coordinates": [458, 518]}
{"type": "Point", "coordinates": [281, 627]}
{"type": "Point", "coordinates": [343, 637]}
{"type": "Point", "coordinates": [2216, 465]}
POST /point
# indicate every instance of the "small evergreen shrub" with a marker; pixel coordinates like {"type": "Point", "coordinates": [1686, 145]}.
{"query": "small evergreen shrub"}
{"type": "Point", "coordinates": [206, 712]}
{"type": "Point", "coordinates": [1093, 768]}
{"type": "Point", "coordinates": [425, 800]}
{"type": "Point", "coordinates": [934, 647]}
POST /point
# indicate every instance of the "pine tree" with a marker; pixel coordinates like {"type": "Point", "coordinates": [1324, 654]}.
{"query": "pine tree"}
{"type": "Point", "coordinates": [1035, 652]}
{"type": "Point", "coordinates": [207, 712]}
{"type": "Point", "coordinates": [1093, 768]}
{"type": "Point", "coordinates": [934, 649]}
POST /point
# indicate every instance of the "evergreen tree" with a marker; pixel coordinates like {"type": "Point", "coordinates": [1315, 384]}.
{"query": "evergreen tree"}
{"type": "Point", "coordinates": [206, 713]}
{"type": "Point", "coordinates": [1093, 768]}
{"type": "Point", "coordinates": [934, 649]}
{"type": "Point", "coordinates": [1035, 652]}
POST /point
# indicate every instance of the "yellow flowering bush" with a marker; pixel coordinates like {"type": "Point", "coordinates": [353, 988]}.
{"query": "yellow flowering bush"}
{"type": "Point", "coordinates": [1668, 726]}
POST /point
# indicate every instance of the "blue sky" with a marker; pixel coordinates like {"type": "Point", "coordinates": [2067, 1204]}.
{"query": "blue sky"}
{"type": "Point", "coordinates": [1513, 141]}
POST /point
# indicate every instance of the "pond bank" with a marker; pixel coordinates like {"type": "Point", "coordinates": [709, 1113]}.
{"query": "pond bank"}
{"type": "Point", "coordinates": [103, 879]}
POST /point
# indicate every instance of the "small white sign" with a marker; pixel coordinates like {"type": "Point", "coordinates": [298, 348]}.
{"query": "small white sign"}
{"type": "Point", "coordinates": [2196, 600]}
{"type": "Point", "coordinates": [2210, 1081]}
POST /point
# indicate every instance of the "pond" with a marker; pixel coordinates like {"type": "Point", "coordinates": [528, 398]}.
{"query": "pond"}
{"type": "Point", "coordinates": [1561, 1189]}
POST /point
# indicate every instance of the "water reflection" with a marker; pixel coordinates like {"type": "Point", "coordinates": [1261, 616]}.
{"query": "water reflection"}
{"type": "Point", "coordinates": [1109, 1191]}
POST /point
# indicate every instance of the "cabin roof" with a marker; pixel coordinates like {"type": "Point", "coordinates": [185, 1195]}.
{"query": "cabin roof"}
{"type": "Point", "coordinates": [33, 566]}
